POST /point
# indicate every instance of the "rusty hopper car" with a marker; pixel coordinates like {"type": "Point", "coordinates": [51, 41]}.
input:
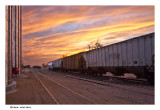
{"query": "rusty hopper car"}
{"type": "Point", "coordinates": [135, 55]}
{"type": "Point", "coordinates": [74, 62]}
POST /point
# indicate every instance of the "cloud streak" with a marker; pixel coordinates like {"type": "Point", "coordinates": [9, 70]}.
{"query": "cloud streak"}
{"type": "Point", "coordinates": [53, 31]}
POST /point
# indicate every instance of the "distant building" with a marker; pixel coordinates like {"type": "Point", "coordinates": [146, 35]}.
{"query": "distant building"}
{"type": "Point", "coordinates": [13, 54]}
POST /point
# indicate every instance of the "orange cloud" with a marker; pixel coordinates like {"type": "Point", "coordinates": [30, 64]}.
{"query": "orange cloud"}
{"type": "Point", "coordinates": [71, 31]}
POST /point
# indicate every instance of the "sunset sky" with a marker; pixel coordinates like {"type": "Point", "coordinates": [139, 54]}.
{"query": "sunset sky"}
{"type": "Point", "coordinates": [49, 32]}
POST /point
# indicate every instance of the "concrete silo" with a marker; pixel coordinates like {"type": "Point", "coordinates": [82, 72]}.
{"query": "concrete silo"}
{"type": "Point", "coordinates": [13, 42]}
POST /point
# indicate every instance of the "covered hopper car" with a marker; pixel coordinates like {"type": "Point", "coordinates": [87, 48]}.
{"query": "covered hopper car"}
{"type": "Point", "coordinates": [55, 65]}
{"type": "Point", "coordinates": [135, 55]}
{"type": "Point", "coordinates": [74, 62]}
{"type": "Point", "coordinates": [50, 67]}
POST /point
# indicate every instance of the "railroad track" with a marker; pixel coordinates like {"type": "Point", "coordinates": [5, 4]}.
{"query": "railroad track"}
{"type": "Point", "coordinates": [113, 79]}
{"type": "Point", "coordinates": [95, 90]}
{"type": "Point", "coordinates": [112, 83]}
{"type": "Point", "coordinates": [101, 83]}
{"type": "Point", "coordinates": [117, 79]}
{"type": "Point", "coordinates": [129, 80]}
{"type": "Point", "coordinates": [60, 93]}
{"type": "Point", "coordinates": [141, 83]}
{"type": "Point", "coordinates": [46, 89]}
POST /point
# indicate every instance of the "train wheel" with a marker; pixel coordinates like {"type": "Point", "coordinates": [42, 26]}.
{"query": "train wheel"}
{"type": "Point", "coordinates": [119, 71]}
{"type": "Point", "coordinates": [100, 74]}
{"type": "Point", "coordinates": [89, 72]}
{"type": "Point", "coordinates": [150, 78]}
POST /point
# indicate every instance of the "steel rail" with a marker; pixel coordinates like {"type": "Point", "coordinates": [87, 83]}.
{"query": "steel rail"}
{"type": "Point", "coordinates": [46, 89]}
{"type": "Point", "coordinates": [102, 83]}
{"type": "Point", "coordinates": [67, 88]}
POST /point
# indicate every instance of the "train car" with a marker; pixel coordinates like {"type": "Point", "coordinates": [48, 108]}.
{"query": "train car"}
{"type": "Point", "coordinates": [135, 55]}
{"type": "Point", "coordinates": [74, 62]}
{"type": "Point", "coordinates": [50, 67]}
{"type": "Point", "coordinates": [56, 64]}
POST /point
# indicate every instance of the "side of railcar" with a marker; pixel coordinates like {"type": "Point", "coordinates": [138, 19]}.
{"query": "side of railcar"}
{"type": "Point", "coordinates": [94, 61]}
{"type": "Point", "coordinates": [74, 62]}
{"type": "Point", "coordinates": [57, 64]}
{"type": "Point", "coordinates": [135, 55]}
{"type": "Point", "coordinates": [50, 66]}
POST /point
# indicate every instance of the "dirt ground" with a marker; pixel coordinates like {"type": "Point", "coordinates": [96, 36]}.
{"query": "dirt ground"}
{"type": "Point", "coordinates": [29, 91]}
{"type": "Point", "coordinates": [110, 94]}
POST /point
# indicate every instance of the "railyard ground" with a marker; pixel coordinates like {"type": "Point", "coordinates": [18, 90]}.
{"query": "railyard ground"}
{"type": "Point", "coordinates": [68, 90]}
{"type": "Point", "coordinates": [28, 91]}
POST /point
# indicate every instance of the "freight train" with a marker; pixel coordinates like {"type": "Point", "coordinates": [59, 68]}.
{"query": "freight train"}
{"type": "Point", "coordinates": [134, 55]}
